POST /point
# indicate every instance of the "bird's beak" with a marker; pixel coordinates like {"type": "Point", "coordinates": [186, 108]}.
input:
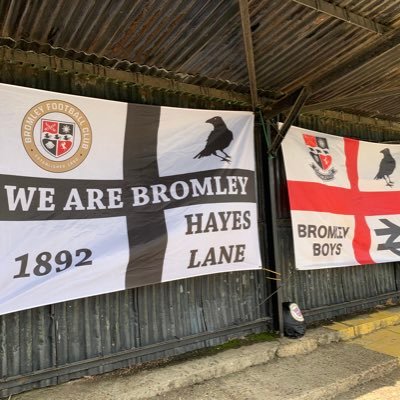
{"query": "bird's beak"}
{"type": "Point", "coordinates": [209, 121]}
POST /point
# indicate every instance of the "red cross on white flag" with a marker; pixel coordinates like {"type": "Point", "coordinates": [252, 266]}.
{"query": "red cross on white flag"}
{"type": "Point", "coordinates": [344, 199]}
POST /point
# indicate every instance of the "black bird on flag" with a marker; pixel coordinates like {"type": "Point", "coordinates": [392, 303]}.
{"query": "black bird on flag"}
{"type": "Point", "coordinates": [218, 140]}
{"type": "Point", "coordinates": [386, 167]}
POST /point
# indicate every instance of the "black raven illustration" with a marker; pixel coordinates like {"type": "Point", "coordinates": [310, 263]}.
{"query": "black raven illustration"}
{"type": "Point", "coordinates": [218, 140]}
{"type": "Point", "coordinates": [386, 167]}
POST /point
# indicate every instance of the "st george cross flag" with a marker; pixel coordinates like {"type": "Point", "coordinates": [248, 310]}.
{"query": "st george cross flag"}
{"type": "Point", "coordinates": [344, 199]}
{"type": "Point", "coordinates": [98, 196]}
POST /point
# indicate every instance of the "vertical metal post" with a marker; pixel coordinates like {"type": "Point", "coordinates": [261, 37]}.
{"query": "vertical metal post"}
{"type": "Point", "coordinates": [53, 337]}
{"type": "Point", "coordinates": [248, 47]}
{"type": "Point", "coordinates": [275, 234]}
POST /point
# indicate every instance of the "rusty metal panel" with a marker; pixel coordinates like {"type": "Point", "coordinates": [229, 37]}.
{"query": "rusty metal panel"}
{"type": "Point", "coordinates": [54, 344]}
{"type": "Point", "coordinates": [201, 42]}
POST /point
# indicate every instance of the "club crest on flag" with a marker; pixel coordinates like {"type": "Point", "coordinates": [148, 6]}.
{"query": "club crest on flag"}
{"type": "Point", "coordinates": [319, 151]}
{"type": "Point", "coordinates": [57, 137]}
{"type": "Point", "coordinates": [53, 129]}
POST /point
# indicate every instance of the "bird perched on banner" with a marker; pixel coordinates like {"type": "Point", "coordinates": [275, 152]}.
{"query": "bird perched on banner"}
{"type": "Point", "coordinates": [218, 140]}
{"type": "Point", "coordinates": [386, 167]}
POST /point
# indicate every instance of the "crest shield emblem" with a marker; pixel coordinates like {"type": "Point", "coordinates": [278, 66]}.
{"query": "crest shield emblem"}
{"type": "Point", "coordinates": [57, 137]}
{"type": "Point", "coordinates": [319, 152]}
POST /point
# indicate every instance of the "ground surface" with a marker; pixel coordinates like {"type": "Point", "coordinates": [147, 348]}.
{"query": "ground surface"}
{"type": "Point", "coordinates": [290, 378]}
{"type": "Point", "coordinates": [385, 388]}
{"type": "Point", "coordinates": [334, 362]}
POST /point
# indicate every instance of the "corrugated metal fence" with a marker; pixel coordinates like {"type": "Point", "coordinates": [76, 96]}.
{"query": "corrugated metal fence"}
{"type": "Point", "coordinates": [327, 293]}
{"type": "Point", "coordinates": [53, 344]}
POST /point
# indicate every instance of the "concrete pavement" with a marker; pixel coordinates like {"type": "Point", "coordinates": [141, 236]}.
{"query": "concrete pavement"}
{"type": "Point", "coordinates": [363, 348]}
{"type": "Point", "coordinates": [383, 388]}
{"type": "Point", "coordinates": [319, 375]}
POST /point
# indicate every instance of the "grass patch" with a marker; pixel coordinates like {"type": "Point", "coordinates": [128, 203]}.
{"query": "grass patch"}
{"type": "Point", "coordinates": [231, 344]}
{"type": "Point", "coordinates": [193, 355]}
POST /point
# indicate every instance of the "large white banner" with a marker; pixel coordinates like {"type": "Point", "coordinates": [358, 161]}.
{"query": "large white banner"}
{"type": "Point", "coordinates": [344, 199]}
{"type": "Point", "coordinates": [98, 196]}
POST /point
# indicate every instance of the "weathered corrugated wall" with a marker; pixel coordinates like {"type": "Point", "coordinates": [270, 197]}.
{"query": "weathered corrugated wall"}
{"type": "Point", "coordinates": [53, 344]}
{"type": "Point", "coordinates": [328, 293]}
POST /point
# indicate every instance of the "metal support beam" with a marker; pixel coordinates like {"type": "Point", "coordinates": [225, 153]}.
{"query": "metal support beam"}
{"type": "Point", "coordinates": [293, 114]}
{"type": "Point", "coordinates": [385, 46]}
{"type": "Point", "coordinates": [276, 240]}
{"type": "Point", "coordinates": [92, 71]}
{"type": "Point", "coordinates": [248, 47]}
{"type": "Point", "coordinates": [285, 103]}
{"type": "Point", "coordinates": [349, 100]}
{"type": "Point", "coordinates": [282, 104]}
{"type": "Point", "coordinates": [376, 122]}
{"type": "Point", "coordinates": [344, 15]}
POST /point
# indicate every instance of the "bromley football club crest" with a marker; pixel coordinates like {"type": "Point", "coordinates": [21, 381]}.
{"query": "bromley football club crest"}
{"type": "Point", "coordinates": [57, 137]}
{"type": "Point", "coordinates": [319, 152]}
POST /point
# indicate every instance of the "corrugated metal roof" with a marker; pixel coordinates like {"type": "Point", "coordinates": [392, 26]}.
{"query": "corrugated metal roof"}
{"type": "Point", "coordinates": [200, 42]}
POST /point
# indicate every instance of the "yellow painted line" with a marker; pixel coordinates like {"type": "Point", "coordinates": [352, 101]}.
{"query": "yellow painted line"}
{"type": "Point", "coordinates": [345, 332]}
{"type": "Point", "coordinates": [383, 341]}
{"type": "Point", "coordinates": [354, 327]}
{"type": "Point", "coordinates": [377, 316]}
{"type": "Point", "coordinates": [395, 329]}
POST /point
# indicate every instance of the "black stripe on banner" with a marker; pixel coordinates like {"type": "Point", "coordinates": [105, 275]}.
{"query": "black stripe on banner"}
{"type": "Point", "coordinates": [63, 188]}
{"type": "Point", "coordinates": [147, 231]}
